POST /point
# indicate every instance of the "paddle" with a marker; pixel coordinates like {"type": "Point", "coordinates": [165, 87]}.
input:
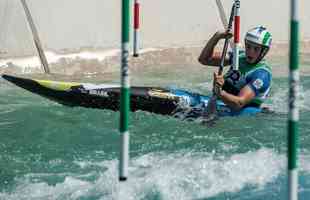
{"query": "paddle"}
{"type": "Point", "coordinates": [210, 113]}
{"type": "Point", "coordinates": [223, 18]}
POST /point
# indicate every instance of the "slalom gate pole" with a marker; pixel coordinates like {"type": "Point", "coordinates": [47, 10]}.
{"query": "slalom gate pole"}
{"type": "Point", "coordinates": [125, 93]}
{"type": "Point", "coordinates": [293, 119]}
{"type": "Point", "coordinates": [236, 35]}
{"type": "Point", "coordinates": [136, 28]}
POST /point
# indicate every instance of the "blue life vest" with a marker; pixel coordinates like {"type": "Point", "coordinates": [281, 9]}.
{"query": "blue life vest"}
{"type": "Point", "coordinates": [256, 76]}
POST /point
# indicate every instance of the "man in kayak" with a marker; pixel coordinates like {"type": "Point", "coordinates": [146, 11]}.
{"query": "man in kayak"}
{"type": "Point", "coordinates": [251, 85]}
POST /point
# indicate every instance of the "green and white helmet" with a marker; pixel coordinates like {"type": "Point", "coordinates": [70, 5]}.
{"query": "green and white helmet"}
{"type": "Point", "coordinates": [259, 35]}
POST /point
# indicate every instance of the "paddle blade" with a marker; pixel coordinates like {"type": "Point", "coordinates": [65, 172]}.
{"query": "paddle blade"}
{"type": "Point", "coordinates": [210, 112]}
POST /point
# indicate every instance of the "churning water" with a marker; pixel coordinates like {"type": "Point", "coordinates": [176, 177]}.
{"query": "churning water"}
{"type": "Point", "coordinates": [50, 151]}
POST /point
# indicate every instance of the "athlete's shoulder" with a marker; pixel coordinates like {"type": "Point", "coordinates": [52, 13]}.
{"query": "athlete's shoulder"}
{"type": "Point", "coordinates": [263, 67]}
{"type": "Point", "coordinates": [263, 73]}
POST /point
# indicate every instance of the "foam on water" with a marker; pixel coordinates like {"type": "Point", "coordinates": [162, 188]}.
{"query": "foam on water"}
{"type": "Point", "coordinates": [71, 188]}
{"type": "Point", "coordinates": [183, 175]}
{"type": "Point", "coordinates": [279, 98]}
{"type": "Point", "coordinates": [304, 98]}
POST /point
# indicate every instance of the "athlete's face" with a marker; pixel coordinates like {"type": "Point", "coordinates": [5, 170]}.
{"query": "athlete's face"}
{"type": "Point", "coordinates": [252, 52]}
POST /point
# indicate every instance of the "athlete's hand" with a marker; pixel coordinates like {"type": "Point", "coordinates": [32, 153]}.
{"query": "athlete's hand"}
{"type": "Point", "coordinates": [223, 35]}
{"type": "Point", "coordinates": [218, 82]}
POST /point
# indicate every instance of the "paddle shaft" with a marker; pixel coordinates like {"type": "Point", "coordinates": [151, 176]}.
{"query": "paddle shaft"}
{"type": "Point", "coordinates": [229, 27]}
{"type": "Point", "coordinates": [223, 19]}
{"type": "Point", "coordinates": [211, 109]}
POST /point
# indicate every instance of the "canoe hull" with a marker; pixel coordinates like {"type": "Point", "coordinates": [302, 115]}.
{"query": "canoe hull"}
{"type": "Point", "coordinates": [157, 100]}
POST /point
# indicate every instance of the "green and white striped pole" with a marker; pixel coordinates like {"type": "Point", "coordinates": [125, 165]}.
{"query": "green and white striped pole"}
{"type": "Point", "coordinates": [293, 105]}
{"type": "Point", "coordinates": [125, 93]}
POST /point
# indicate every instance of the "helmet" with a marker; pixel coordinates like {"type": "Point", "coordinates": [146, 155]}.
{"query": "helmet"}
{"type": "Point", "coordinates": [261, 36]}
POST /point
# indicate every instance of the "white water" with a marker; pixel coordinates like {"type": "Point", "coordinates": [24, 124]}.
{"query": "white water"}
{"type": "Point", "coordinates": [279, 98]}
{"type": "Point", "coordinates": [176, 176]}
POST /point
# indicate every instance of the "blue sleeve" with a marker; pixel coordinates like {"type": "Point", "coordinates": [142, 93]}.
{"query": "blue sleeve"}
{"type": "Point", "coordinates": [259, 81]}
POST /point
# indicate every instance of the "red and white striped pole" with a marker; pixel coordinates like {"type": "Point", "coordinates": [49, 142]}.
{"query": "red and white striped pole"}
{"type": "Point", "coordinates": [136, 28]}
{"type": "Point", "coordinates": [236, 35]}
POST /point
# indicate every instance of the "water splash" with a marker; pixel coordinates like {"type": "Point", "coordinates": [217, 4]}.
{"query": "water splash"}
{"type": "Point", "coordinates": [183, 175]}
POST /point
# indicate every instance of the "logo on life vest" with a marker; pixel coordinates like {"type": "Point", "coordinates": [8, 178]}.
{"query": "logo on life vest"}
{"type": "Point", "coordinates": [258, 83]}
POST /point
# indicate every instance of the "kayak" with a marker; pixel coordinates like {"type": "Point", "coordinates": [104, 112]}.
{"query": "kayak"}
{"type": "Point", "coordinates": [165, 101]}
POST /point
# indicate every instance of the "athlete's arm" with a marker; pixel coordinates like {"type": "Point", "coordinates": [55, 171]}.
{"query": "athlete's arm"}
{"type": "Point", "coordinates": [208, 56]}
{"type": "Point", "coordinates": [258, 83]}
{"type": "Point", "coordinates": [245, 95]}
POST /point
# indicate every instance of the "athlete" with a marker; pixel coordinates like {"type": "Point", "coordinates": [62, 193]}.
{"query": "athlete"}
{"type": "Point", "coordinates": [251, 84]}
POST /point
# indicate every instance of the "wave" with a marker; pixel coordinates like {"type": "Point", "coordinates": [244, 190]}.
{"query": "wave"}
{"type": "Point", "coordinates": [174, 176]}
